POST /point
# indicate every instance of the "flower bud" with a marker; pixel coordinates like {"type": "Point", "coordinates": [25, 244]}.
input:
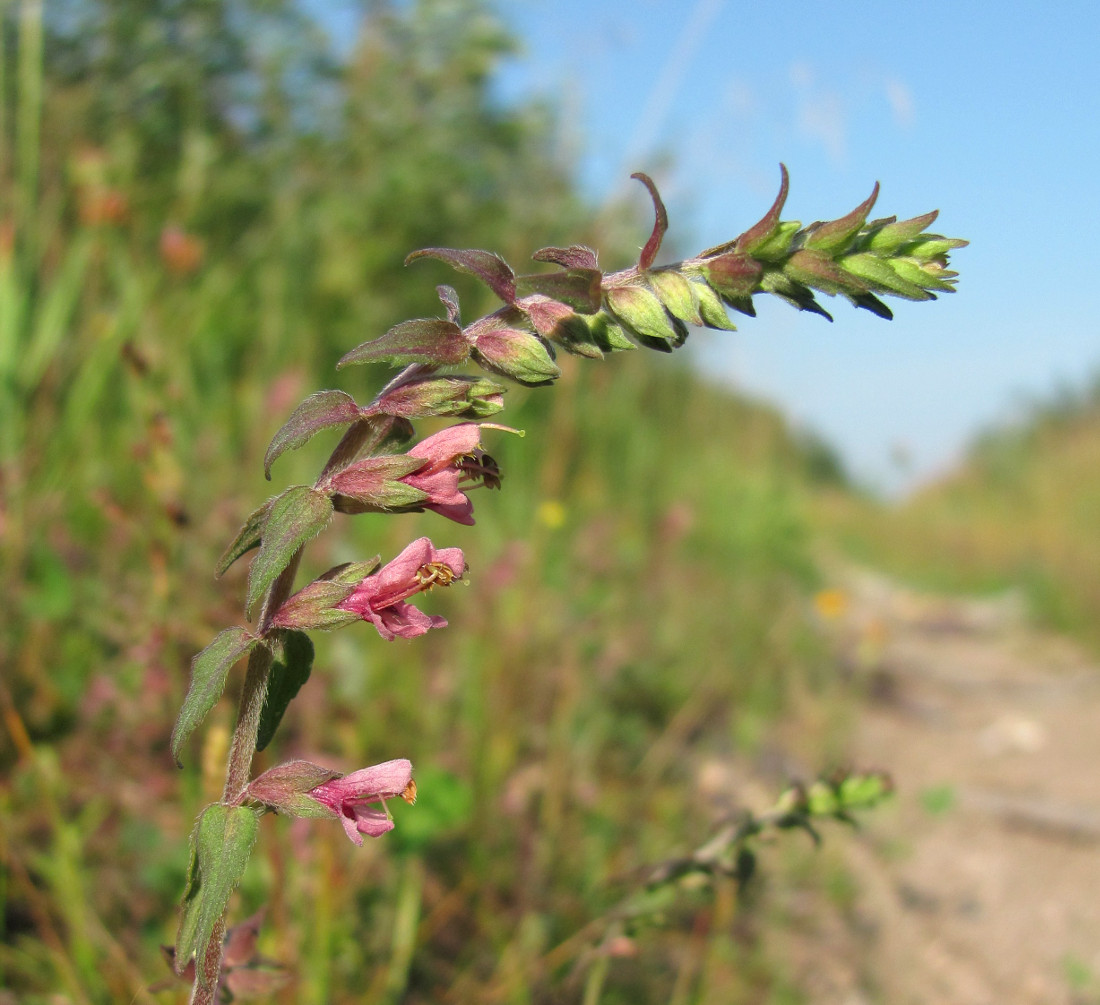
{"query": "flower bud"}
{"type": "Point", "coordinates": [513, 352]}
{"type": "Point", "coordinates": [642, 313]}
{"type": "Point", "coordinates": [286, 787]}
{"type": "Point", "coordinates": [457, 397]}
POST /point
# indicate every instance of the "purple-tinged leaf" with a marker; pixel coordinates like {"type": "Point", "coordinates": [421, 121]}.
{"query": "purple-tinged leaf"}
{"type": "Point", "coordinates": [577, 288]}
{"type": "Point", "coordinates": [732, 275]}
{"type": "Point", "coordinates": [209, 670]}
{"type": "Point", "coordinates": [487, 266]}
{"type": "Point", "coordinates": [319, 411]}
{"type": "Point", "coordinates": [297, 516]}
{"type": "Point", "coordinates": [248, 537]}
{"type": "Point", "coordinates": [758, 233]}
{"type": "Point", "coordinates": [427, 340]}
{"type": "Point", "coordinates": [286, 787]}
{"type": "Point", "coordinates": [449, 296]}
{"type": "Point", "coordinates": [815, 269]}
{"type": "Point", "coordinates": [576, 256]}
{"type": "Point", "coordinates": [221, 845]}
{"type": "Point", "coordinates": [660, 224]}
{"type": "Point", "coordinates": [289, 671]}
{"type": "Point", "coordinates": [835, 235]}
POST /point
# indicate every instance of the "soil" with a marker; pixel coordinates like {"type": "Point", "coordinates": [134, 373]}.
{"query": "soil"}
{"type": "Point", "coordinates": [980, 882]}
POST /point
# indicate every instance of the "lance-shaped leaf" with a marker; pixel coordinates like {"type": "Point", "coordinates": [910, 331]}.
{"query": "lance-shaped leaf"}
{"type": "Point", "coordinates": [886, 236]}
{"type": "Point", "coordinates": [297, 516]}
{"type": "Point", "coordinates": [220, 846]}
{"type": "Point", "coordinates": [290, 670]}
{"type": "Point", "coordinates": [761, 231]}
{"type": "Point", "coordinates": [878, 274]}
{"type": "Point", "coordinates": [319, 411]}
{"type": "Point", "coordinates": [490, 268]}
{"type": "Point", "coordinates": [426, 340]}
{"type": "Point", "coordinates": [209, 670]}
{"type": "Point", "coordinates": [248, 537]}
{"type": "Point", "coordinates": [660, 224]}
{"type": "Point", "coordinates": [816, 269]}
{"type": "Point", "coordinates": [576, 256]}
{"type": "Point", "coordinates": [835, 235]}
{"type": "Point", "coordinates": [579, 288]}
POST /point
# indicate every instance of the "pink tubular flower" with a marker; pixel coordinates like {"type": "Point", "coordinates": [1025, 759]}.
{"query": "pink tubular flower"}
{"type": "Point", "coordinates": [382, 597]}
{"type": "Point", "coordinates": [454, 461]}
{"type": "Point", "coordinates": [352, 797]}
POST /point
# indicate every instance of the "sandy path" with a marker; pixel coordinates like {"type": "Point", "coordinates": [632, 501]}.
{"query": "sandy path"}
{"type": "Point", "coordinates": [981, 883]}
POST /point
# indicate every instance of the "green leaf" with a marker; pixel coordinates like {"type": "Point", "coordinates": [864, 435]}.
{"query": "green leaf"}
{"type": "Point", "coordinates": [289, 672]}
{"type": "Point", "coordinates": [834, 236]}
{"type": "Point", "coordinates": [297, 516]}
{"type": "Point", "coordinates": [319, 411]}
{"type": "Point", "coordinates": [886, 236]}
{"type": "Point", "coordinates": [220, 847]}
{"type": "Point", "coordinates": [209, 670]}
{"type": "Point", "coordinates": [248, 537]}
{"type": "Point", "coordinates": [778, 245]}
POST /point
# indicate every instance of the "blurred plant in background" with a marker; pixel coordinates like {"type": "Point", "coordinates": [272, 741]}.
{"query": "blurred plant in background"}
{"type": "Point", "coordinates": [201, 209]}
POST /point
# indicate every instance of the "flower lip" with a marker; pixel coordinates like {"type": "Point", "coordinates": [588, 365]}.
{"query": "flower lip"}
{"type": "Point", "coordinates": [381, 598]}
{"type": "Point", "coordinates": [353, 797]}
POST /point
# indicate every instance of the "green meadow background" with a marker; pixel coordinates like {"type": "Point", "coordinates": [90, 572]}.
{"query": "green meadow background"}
{"type": "Point", "coordinates": [202, 210]}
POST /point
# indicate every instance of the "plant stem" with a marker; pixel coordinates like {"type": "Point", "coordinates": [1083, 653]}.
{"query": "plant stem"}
{"type": "Point", "coordinates": [243, 748]}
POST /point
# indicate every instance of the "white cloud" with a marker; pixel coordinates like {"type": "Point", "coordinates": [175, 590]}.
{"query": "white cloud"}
{"type": "Point", "coordinates": [901, 103]}
{"type": "Point", "coordinates": [819, 112]}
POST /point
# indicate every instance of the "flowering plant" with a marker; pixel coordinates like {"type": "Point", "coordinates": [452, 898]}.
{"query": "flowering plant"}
{"type": "Point", "coordinates": [576, 308]}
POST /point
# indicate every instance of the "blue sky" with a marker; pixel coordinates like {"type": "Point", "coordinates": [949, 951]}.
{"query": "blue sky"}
{"type": "Point", "coordinates": [990, 113]}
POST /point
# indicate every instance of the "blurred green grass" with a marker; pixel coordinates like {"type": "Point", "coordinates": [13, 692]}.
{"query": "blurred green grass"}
{"type": "Point", "coordinates": [188, 243]}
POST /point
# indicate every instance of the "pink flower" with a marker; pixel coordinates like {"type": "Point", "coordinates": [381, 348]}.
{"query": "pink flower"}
{"type": "Point", "coordinates": [382, 597]}
{"type": "Point", "coordinates": [443, 467]}
{"type": "Point", "coordinates": [454, 462]}
{"type": "Point", "coordinates": [353, 797]}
